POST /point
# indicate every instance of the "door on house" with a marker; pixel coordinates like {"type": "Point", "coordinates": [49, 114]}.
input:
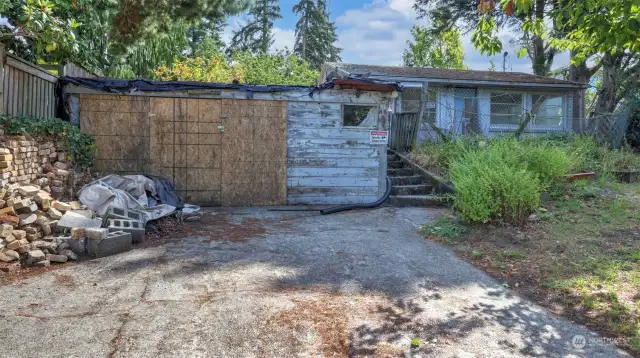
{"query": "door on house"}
{"type": "Point", "coordinates": [219, 151]}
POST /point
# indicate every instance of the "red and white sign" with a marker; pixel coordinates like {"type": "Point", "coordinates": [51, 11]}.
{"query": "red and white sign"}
{"type": "Point", "coordinates": [378, 137]}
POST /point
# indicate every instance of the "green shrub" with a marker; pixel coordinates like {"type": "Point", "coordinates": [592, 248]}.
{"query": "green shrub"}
{"type": "Point", "coordinates": [548, 163]}
{"type": "Point", "coordinates": [493, 183]}
{"type": "Point", "coordinates": [79, 146]}
{"type": "Point", "coordinates": [619, 159]}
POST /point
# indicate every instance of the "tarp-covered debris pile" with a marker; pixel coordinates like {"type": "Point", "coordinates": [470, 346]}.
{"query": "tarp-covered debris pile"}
{"type": "Point", "coordinates": [112, 214]}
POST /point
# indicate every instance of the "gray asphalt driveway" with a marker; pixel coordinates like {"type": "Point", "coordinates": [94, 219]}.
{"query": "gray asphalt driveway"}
{"type": "Point", "coordinates": [248, 282]}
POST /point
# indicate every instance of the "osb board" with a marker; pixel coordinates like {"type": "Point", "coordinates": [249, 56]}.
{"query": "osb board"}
{"type": "Point", "coordinates": [181, 139]}
{"type": "Point", "coordinates": [120, 126]}
{"type": "Point", "coordinates": [254, 147]}
{"type": "Point", "coordinates": [185, 146]}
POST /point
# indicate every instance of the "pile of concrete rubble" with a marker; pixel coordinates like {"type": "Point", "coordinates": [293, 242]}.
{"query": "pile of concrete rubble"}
{"type": "Point", "coordinates": [37, 230]}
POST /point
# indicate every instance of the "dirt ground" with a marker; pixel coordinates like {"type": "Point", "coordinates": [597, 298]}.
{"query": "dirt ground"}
{"type": "Point", "coordinates": [251, 282]}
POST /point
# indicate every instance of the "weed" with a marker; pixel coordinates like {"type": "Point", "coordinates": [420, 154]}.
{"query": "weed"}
{"type": "Point", "coordinates": [513, 254]}
{"type": "Point", "coordinates": [475, 254]}
{"type": "Point", "coordinates": [444, 227]}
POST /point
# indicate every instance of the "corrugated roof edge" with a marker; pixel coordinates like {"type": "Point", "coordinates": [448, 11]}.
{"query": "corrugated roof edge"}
{"type": "Point", "coordinates": [127, 86]}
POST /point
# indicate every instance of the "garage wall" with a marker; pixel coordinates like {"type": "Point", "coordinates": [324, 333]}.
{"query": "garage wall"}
{"type": "Point", "coordinates": [330, 164]}
{"type": "Point", "coordinates": [227, 152]}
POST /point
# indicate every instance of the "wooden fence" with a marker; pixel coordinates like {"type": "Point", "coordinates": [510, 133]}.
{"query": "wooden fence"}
{"type": "Point", "coordinates": [404, 131]}
{"type": "Point", "coordinates": [27, 89]}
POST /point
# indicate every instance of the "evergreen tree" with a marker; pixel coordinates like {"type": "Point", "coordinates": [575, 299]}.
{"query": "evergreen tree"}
{"type": "Point", "coordinates": [315, 34]}
{"type": "Point", "coordinates": [205, 38]}
{"type": "Point", "coordinates": [256, 35]}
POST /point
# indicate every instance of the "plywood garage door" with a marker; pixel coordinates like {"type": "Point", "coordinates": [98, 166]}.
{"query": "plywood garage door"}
{"type": "Point", "coordinates": [254, 147]}
{"type": "Point", "coordinates": [244, 164]}
{"type": "Point", "coordinates": [185, 146]}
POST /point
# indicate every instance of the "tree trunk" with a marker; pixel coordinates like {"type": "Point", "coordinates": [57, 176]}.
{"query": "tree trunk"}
{"type": "Point", "coordinates": [608, 94]}
{"type": "Point", "coordinates": [581, 75]}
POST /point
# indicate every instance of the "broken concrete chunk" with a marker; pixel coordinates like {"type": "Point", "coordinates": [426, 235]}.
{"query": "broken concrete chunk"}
{"type": "Point", "coordinates": [6, 258]}
{"type": "Point", "coordinates": [32, 237]}
{"type": "Point", "coordinates": [20, 234]}
{"type": "Point", "coordinates": [72, 220]}
{"type": "Point", "coordinates": [61, 165]}
{"type": "Point", "coordinates": [78, 246]}
{"type": "Point", "coordinates": [13, 254]}
{"type": "Point", "coordinates": [61, 172]}
{"type": "Point", "coordinates": [85, 213]}
{"type": "Point", "coordinates": [61, 206]}
{"type": "Point", "coordinates": [14, 245]}
{"type": "Point", "coordinates": [34, 256]}
{"type": "Point", "coordinates": [7, 211]}
{"type": "Point", "coordinates": [6, 230]}
{"type": "Point", "coordinates": [9, 239]}
{"type": "Point", "coordinates": [63, 246]}
{"type": "Point", "coordinates": [43, 263]}
{"type": "Point", "coordinates": [10, 219]}
{"type": "Point", "coordinates": [96, 233]}
{"type": "Point", "coordinates": [57, 258]}
{"type": "Point", "coordinates": [27, 219]}
{"type": "Point", "coordinates": [75, 205]}
{"type": "Point", "coordinates": [24, 204]}
{"type": "Point", "coordinates": [77, 233]}
{"type": "Point", "coordinates": [28, 190]}
{"type": "Point", "coordinates": [54, 213]}
{"type": "Point", "coordinates": [70, 254]}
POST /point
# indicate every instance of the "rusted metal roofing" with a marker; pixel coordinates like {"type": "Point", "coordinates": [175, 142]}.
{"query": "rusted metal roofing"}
{"type": "Point", "coordinates": [393, 72]}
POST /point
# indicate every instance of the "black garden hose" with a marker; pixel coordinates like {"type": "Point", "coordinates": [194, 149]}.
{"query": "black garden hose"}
{"type": "Point", "coordinates": [339, 208]}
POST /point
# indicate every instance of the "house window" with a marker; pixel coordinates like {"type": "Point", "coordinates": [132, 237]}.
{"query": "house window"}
{"type": "Point", "coordinates": [550, 111]}
{"type": "Point", "coordinates": [359, 116]}
{"type": "Point", "coordinates": [410, 102]}
{"type": "Point", "coordinates": [506, 108]}
{"type": "Point", "coordinates": [430, 106]}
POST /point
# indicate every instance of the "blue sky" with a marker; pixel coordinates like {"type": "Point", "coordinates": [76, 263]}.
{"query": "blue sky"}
{"type": "Point", "coordinates": [376, 31]}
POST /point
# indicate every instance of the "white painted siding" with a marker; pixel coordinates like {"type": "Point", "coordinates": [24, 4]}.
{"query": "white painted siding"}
{"type": "Point", "coordinates": [330, 164]}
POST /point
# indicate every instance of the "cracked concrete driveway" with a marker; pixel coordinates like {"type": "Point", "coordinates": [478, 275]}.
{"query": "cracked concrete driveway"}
{"type": "Point", "coordinates": [248, 282]}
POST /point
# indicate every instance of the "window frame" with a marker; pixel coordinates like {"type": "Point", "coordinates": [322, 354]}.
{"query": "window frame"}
{"type": "Point", "coordinates": [342, 112]}
{"type": "Point", "coordinates": [522, 109]}
{"type": "Point", "coordinates": [527, 99]}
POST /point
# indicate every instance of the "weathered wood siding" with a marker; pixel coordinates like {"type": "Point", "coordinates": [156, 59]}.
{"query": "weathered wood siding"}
{"type": "Point", "coordinates": [330, 164]}
{"type": "Point", "coordinates": [26, 89]}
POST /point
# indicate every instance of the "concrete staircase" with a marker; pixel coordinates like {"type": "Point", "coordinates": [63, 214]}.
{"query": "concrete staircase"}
{"type": "Point", "coordinates": [408, 187]}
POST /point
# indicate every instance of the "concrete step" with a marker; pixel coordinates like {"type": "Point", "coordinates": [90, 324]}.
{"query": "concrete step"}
{"type": "Point", "coordinates": [396, 164]}
{"type": "Point", "coordinates": [417, 201]}
{"type": "Point", "coordinates": [411, 189]}
{"type": "Point", "coordinates": [411, 180]}
{"type": "Point", "coordinates": [401, 172]}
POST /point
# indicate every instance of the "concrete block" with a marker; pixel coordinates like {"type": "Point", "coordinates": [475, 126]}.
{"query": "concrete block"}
{"type": "Point", "coordinates": [120, 213]}
{"type": "Point", "coordinates": [115, 243]}
{"type": "Point", "coordinates": [28, 190]}
{"type": "Point", "coordinates": [134, 227]}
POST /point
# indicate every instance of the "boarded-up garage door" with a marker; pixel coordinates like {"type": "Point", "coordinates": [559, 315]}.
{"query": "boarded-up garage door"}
{"type": "Point", "coordinates": [218, 152]}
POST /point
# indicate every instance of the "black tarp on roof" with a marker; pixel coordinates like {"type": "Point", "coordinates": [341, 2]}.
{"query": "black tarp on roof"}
{"type": "Point", "coordinates": [128, 86]}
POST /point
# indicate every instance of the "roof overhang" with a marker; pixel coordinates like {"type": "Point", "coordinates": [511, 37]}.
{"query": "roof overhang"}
{"type": "Point", "coordinates": [478, 83]}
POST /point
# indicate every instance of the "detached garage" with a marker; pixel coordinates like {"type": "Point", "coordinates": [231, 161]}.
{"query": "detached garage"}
{"type": "Point", "coordinates": [233, 145]}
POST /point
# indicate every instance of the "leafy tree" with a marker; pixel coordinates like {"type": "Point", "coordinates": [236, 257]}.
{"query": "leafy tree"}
{"type": "Point", "coordinates": [315, 34]}
{"type": "Point", "coordinates": [437, 49]}
{"type": "Point", "coordinates": [205, 38]}
{"type": "Point", "coordinates": [282, 68]}
{"type": "Point", "coordinates": [486, 17]}
{"type": "Point", "coordinates": [245, 67]}
{"type": "Point", "coordinates": [256, 36]}
{"type": "Point", "coordinates": [211, 69]}
{"type": "Point", "coordinates": [137, 19]}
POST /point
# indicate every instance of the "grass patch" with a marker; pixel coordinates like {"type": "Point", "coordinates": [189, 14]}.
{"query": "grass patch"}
{"type": "Point", "coordinates": [444, 227]}
{"type": "Point", "coordinates": [580, 257]}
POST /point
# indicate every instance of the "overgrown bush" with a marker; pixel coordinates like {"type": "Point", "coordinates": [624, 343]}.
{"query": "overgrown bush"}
{"type": "Point", "coordinates": [80, 147]}
{"type": "Point", "coordinates": [492, 183]}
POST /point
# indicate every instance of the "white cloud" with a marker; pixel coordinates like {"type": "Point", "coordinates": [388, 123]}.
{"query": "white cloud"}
{"type": "Point", "coordinates": [282, 38]}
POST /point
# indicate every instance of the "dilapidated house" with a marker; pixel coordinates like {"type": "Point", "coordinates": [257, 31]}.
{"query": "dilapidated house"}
{"type": "Point", "coordinates": [464, 101]}
{"type": "Point", "coordinates": [234, 145]}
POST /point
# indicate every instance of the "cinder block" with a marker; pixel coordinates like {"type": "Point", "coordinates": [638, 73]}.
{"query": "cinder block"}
{"type": "Point", "coordinates": [120, 213]}
{"type": "Point", "coordinates": [134, 227]}
{"type": "Point", "coordinates": [115, 243]}
{"type": "Point", "coordinates": [96, 233]}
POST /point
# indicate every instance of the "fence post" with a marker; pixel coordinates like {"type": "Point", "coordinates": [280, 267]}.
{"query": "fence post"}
{"type": "Point", "coordinates": [2, 94]}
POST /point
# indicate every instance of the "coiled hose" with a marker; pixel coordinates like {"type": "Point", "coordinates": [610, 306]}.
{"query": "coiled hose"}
{"type": "Point", "coordinates": [339, 208]}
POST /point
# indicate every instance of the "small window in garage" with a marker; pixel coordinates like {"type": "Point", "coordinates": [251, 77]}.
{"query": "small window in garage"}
{"type": "Point", "coordinates": [359, 116]}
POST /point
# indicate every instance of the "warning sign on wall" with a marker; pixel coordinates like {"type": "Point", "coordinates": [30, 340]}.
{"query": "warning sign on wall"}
{"type": "Point", "coordinates": [378, 137]}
